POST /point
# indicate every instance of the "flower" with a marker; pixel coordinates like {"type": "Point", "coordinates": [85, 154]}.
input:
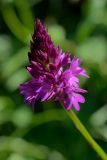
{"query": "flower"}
{"type": "Point", "coordinates": [49, 78]}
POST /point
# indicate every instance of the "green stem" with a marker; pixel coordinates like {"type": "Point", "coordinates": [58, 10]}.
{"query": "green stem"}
{"type": "Point", "coordinates": [86, 134]}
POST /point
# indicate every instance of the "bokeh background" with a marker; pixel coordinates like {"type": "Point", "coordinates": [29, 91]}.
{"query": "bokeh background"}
{"type": "Point", "coordinates": [78, 26]}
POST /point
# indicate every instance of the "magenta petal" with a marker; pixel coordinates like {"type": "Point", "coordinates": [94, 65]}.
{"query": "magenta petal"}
{"type": "Point", "coordinates": [38, 89]}
{"type": "Point", "coordinates": [28, 90]}
{"type": "Point", "coordinates": [45, 96]}
{"type": "Point", "coordinates": [79, 97]}
{"type": "Point", "coordinates": [75, 63]}
{"type": "Point", "coordinates": [80, 90]}
{"type": "Point", "coordinates": [52, 66]}
{"type": "Point", "coordinates": [75, 103]}
{"type": "Point", "coordinates": [68, 103]}
{"type": "Point", "coordinates": [82, 72]}
{"type": "Point", "coordinates": [66, 59]}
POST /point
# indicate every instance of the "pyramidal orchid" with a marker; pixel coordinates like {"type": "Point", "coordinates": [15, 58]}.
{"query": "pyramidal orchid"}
{"type": "Point", "coordinates": [54, 76]}
{"type": "Point", "coordinates": [49, 78]}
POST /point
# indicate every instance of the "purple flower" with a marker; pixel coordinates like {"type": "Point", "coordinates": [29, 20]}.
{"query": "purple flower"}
{"type": "Point", "coordinates": [50, 80]}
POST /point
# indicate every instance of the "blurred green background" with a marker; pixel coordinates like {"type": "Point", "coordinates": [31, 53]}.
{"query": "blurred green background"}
{"type": "Point", "coordinates": [78, 26]}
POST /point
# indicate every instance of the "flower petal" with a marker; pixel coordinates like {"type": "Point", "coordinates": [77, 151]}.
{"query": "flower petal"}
{"type": "Point", "coordinates": [79, 98]}
{"type": "Point", "coordinates": [75, 103]}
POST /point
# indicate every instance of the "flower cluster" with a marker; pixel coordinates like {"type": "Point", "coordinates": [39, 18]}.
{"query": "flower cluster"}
{"type": "Point", "coordinates": [50, 80]}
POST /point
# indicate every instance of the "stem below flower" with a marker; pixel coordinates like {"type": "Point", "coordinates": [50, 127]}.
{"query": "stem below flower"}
{"type": "Point", "coordinates": [86, 134]}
